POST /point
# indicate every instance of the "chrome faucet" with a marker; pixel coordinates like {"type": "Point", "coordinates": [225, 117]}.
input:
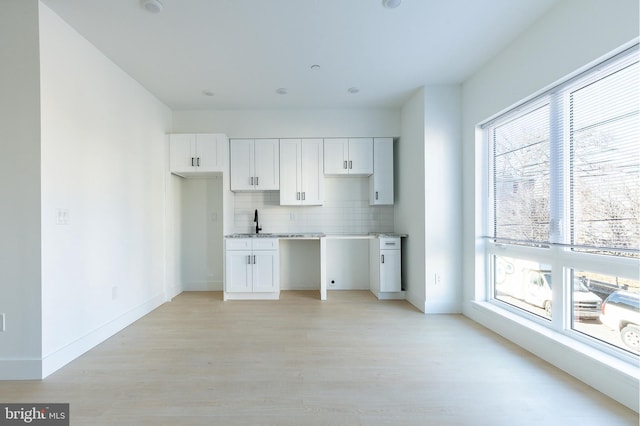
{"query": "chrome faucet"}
{"type": "Point", "coordinates": [255, 219]}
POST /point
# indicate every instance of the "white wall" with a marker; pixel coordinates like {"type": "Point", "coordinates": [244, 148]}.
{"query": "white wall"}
{"type": "Point", "coordinates": [20, 343]}
{"type": "Point", "coordinates": [201, 236]}
{"type": "Point", "coordinates": [573, 34]}
{"type": "Point", "coordinates": [174, 238]}
{"type": "Point", "coordinates": [443, 213]}
{"type": "Point", "coordinates": [410, 204]}
{"type": "Point", "coordinates": [298, 123]}
{"type": "Point", "coordinates": [428, 198]}
{"type": "Point", "coordinates": [103, 160]}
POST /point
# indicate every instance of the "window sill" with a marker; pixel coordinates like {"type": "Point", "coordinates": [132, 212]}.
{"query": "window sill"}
{"type": "Point", "coordinates": [611, 375]}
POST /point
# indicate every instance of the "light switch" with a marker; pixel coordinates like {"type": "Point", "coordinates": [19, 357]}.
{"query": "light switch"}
{"type": "Point", "coordinates": [62, 216]}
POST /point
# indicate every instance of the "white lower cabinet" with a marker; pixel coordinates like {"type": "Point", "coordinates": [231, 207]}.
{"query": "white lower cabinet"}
{"type": "Point", "coordinates": [252, 268]}
{"type": "Point", "coordinates": [385, 262]}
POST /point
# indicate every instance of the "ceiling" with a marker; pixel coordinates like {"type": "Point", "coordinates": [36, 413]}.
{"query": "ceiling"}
{"type": "Point", "coordinates": [244, 50]}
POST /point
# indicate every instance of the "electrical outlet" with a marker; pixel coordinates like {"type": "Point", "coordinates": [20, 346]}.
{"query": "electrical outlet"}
{"type": "Point", "coordinates": [332, 283]}
{"type": "Point", "coordinates": [292, 216]}
{"type": "Point", "coordinates": [436, 280]}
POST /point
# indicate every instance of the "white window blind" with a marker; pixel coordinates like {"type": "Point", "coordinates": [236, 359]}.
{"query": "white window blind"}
{"type": "Point", "coordinates": [521, 176]}
{"type": "Point", "coordinates": [565, 167]}
{"type": "Point", "coordinates": [604, 134]}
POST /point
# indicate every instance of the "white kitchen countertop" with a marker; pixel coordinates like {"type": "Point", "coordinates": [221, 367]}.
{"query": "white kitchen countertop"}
{"type": "Point", "coordinates": [317, 235]}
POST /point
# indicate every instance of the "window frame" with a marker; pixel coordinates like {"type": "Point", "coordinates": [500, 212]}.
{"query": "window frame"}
{"type": "Point", "coordinates": [558, 253]}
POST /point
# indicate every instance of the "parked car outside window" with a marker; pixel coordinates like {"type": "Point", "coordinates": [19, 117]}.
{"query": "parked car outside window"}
{"type": "Point", "coordinates": [621, 312]}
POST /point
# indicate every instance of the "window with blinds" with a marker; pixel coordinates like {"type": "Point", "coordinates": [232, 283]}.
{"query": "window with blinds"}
{"type": "Point", "coordinates": [604, 133]}
{"type": "Point", "coordinates": [564, 167]}
{"type": "Point", "coordinates": [521, 179]}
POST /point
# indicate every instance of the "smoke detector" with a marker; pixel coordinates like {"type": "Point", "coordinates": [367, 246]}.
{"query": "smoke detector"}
{"type": "Point", "coordinates": [391, 4]}
{"type": "Point", "coordinates": [153, 6]}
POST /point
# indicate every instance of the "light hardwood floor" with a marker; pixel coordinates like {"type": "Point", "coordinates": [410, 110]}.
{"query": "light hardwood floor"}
{"type": "Point", "coordinates": [351, 360]}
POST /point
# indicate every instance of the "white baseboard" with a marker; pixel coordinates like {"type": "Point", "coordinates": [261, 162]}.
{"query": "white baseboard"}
{"type": "Point", "coordinates": [439, 307]}
{"type": "Point", "coordinates": [65, 355]}
{"type": "Point", "coordinates": [300, 286]}
{"type": "Point", "coordinates": [203, 286]}
{"type": "Point", "coordinates": [251, 296]}
{"type": "Point", "coordinates": [390, 295]}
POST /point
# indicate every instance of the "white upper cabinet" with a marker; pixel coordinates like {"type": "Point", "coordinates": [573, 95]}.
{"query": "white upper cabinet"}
{"type": "Point", "coordinates": [381, 182]}
{"type": "Point", "coordinates": [301, 168]}
{"type": "Point", "coordinates": [255, 164]}
{"type": "Point", "coordinates": [193, 154]}
{"type": "Point", "coordinates": [348, 156]}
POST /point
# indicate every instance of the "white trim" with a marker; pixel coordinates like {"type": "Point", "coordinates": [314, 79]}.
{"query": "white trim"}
{"type": "Point", "coordinates": [68, 353]}
{"type": "Point", "coordinates": [251, 296]}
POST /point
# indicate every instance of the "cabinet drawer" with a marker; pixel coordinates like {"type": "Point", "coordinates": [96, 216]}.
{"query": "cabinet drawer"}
{"type": "Point", "coordinates": [265, 243]}
{"type": "Point", "coordinates": [238, 243]}
{"type": "Point", "coordinates": [389, 243]}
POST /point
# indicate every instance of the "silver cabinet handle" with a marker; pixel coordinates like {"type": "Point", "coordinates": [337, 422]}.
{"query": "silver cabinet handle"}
{"type": "Point", "coordinates": [198, 162]}
{"type": "Point", "coordinates": [251, 181]}
{"type": "Point", "coordinates": [256, 180]}
{"type": "Point", "coordinates": [254, 259]}
{"type": "Point", "coordinates": [350, 164]}
{"type": "Point", "coordinates": [383, 258]}
{"type": "Point", "coordinates": [376, 195]}
{"type": "Point", "coordinates": [248, 260]}
{"type": "Point", "coordinates": [192, 162]}
{"type": "Point", "coordinates": [344, 166]}
{"type": "Point", "coordinates": [303, 196]}
{"type": "Point", "coordinates": [297, 195]}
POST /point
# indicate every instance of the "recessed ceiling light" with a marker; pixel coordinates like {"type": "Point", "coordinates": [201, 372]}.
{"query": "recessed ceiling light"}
{"type": "Point", "coordinates": [153, 6]}
{"type": "Point", "coordinates": [391, 4]}
{"type": "Point", "coordinates": [353, 90]}
{"type": "Point", "coordinates": [208, 92]}
{"type": "Point", "coordinates": [282, 91]}
{"type": "Point", "coordinates": [315, 67]}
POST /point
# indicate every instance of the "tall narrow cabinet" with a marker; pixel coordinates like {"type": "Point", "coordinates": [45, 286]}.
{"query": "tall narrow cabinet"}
{"type": "Point", "coordinates": [381, 181]}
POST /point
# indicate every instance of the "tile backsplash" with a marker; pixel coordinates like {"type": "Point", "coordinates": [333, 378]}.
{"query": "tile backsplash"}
{"type": "Point", "coordinates": [346, 210]}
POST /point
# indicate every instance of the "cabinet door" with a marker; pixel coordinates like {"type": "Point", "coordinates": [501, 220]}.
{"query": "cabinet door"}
{"type": "Point", "coordinates": [290, 172]}
{"type": "Point", "coordinates": [361, 156]}
{"type": "Point", "coordinates": [381, 182]}
{"type": "Point", "coordinates": [208, 153]}
{"type": "Point", "coordinates": [238, 271]}
{"type": "Point", "coordinates": [311, 176]}
{"type": "Point", "coordinates": [242, 160]}
{"type": "Point", "coordinates": [390, 270]}
{"type": "Point", "coordinates": [267, 164]}
{"type": "Point", "coordinates": [336, 153]}
{"type": "Point", "coordinates": [265, 271]}
{"type": "Point", "coordinates": [181, 153]}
